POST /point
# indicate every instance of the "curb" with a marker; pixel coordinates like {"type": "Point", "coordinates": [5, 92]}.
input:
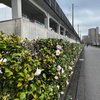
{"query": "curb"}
{"type": "Point", "coordinates": [72, 90]}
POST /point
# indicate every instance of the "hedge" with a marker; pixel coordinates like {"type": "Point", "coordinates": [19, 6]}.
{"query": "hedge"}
{"type": "Point", "coordinates": [35, 70]}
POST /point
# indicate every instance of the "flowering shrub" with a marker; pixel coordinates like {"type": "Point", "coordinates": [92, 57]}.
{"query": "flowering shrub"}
{"type": "Point", "coordinates": [35, 70]}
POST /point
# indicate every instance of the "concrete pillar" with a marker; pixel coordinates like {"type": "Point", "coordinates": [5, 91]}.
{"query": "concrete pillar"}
{"type": "Point", "coordinates": [64, 32]}
{"type": "Point", "coordinates": [47, 22]}
{"type": "Point", "coordinates": [58, 29]}
{"type": "Point", "coordinates": [16, 9]}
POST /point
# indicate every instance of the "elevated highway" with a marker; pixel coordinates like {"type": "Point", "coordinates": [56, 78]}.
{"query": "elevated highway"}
{"type": "Point", "coordinates": [41, 16]}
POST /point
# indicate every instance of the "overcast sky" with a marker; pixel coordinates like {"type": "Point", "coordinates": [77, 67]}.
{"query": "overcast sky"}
{"type": "Point", "coordinates": [86, 13]}
{"type": "Point", "coordinates": [5, 12]}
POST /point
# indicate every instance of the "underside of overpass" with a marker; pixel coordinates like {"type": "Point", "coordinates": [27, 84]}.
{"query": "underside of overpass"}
{"type": "Point", "coordinates": [28, 10]}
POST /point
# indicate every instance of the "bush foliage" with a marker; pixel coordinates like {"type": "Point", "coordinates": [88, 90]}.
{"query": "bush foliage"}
{"type": "Point", "coordinates": [35, 70]}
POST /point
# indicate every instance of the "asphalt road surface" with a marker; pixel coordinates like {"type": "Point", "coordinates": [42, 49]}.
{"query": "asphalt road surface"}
{"type": "Point", "coordinates": [89, 81]}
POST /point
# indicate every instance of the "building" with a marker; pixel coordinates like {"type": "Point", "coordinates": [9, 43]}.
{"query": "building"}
{"type": "Point", "coordinates": [35, 19]}
{"type": "Point", "coordinates": [93, 35]}
{"type": "Point", "coordinates": [99, 38]}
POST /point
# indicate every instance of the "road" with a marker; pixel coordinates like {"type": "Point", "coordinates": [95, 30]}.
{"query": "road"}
{"type": "Point", "coordinates": [89, 81]}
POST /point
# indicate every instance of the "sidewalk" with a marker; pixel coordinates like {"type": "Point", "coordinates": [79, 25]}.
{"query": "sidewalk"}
{"type": "Point", "coordinates": [89, 82]}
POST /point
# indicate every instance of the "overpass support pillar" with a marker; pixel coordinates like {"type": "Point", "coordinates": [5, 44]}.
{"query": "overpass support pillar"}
{"type": "Point", "coordinates": [47, 22]}
{"type": "Point", "coordinates": [64, 33]}
{"type": "Point", "coordinates": [58, 29]}
{"type": "Point", "coordinates": [16, 9]}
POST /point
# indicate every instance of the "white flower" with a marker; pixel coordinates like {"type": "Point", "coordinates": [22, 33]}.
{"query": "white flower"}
{"type": "Point", "coordinates": [1, 71]}
{"type": "Point", "coordinates": [22, 41]}
{"type": "Point", "coordinates": [58, 67]}
{"type": "Point", "coordinates": [71, 72]}
{"type": "Point", "coordinates": [31, 78]}
{"type": "Point", "coordinates": [62, 92]}
{"type": "Point", "coordinates": [58, 52]}
{"type": "Point", "coordinates": [3, 59]}
{"type": "Point", "coordinates": [62, 71]}
{"type": "Point", "coordinates": [38, 72]}
{"type": "Point", "coordinates": [51, 89]}
{"type": "Point", "coordinates": [70, 68]}
{"type": "Point", "coordinates": [67, 82]}
{"type": "Point", "coordinates": [59, 47]}
{"type": "Point", "coordinates": [72, 62]}
{"type": "Point", "coordinates": [56, 77]}
{"type": "Point", "coordinates": [64, 76]}
{"type": "Point", "coordinates": [74, 59]}
{"type": "Point", "coordinates": [58, 86]}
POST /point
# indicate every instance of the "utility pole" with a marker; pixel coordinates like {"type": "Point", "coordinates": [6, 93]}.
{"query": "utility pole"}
{"type": "Point", "coordinates": [80, 35]}
{"type": "Point", "coordinates": [78, 29]}
{"type": "Point", "coordinates": [73, 15]}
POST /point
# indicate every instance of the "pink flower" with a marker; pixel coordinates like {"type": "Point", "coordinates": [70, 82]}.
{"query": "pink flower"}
{"type": "Point", "coordinates": [59, 47]}
{"type": "Point", "coordinates": [58, 67]}
{"type": "Point", "coordinates": [56, 77]}
{"type": "Point", "coordinates": [38, 72]}
{"type": "Point", "coordinates": [57, 52]}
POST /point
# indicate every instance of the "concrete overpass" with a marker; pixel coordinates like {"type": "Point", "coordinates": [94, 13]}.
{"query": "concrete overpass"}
{"type": "Point", "coordinates": [38, 19]}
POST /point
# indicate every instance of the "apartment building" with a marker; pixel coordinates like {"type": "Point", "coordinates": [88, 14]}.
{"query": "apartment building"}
{"type": "Point", "coordinates": [93, 36]}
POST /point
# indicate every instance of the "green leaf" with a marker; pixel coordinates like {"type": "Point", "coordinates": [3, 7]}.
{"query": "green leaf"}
{"type": "Point", "coordinates": [2, 33]}
{"type": "Point", "coordinates": [20, 79]}
{"type": "Point", "coordinates": [16, 99]}
{"type": "Point", "coordinates": [35, 96]}
{"type": "Point", "coordinates": [25, 71]}
{"type": "Point", "coordinates": [3, 46]}
{"type": "Point", "coordinates": [0, 55]}
{"type": "Point", "coordinates": [9, 73]}
{"type": "Point", "coordinates": [33, 87]}
{"type": "Point", "coordinates": [22, 96]}
{"type": "Point", "coordinates": [21, 74]}
{"type": "Point", "coordinates": [42, 97]}
{"type": "Point", "coordinates": [18, 47]}
{"type": "Point", "coordinates": [38, 81]}
{"type": "Point", "coordinates": [16, 55]}
{"type": "Point", "coordinates": [43, 86]}
{"type": "Point", "coordinates": [19, 84]}
{"type": "Point", "coordinates": [44, 76]}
